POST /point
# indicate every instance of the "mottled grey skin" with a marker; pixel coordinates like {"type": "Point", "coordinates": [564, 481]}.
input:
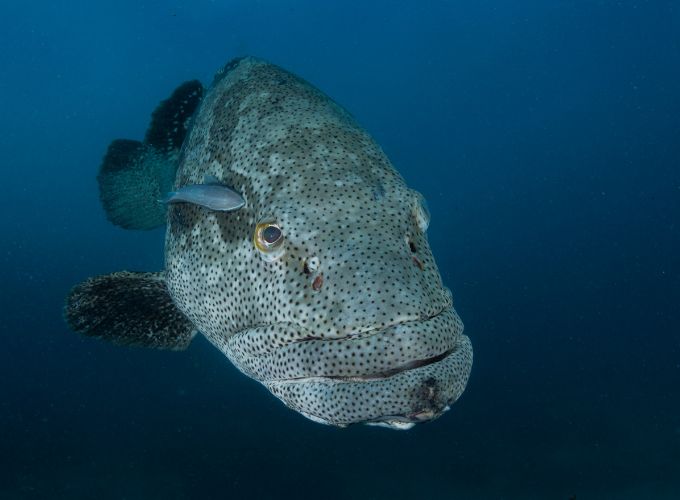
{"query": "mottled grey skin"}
{"type": "Point", "coordinates": [351, 323]}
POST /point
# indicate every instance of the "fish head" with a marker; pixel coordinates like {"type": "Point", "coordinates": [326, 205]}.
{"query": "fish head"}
{"type": "Point", "coordinates": [323, 286]}
{"type": "Point", "coordinates": [359, 327]}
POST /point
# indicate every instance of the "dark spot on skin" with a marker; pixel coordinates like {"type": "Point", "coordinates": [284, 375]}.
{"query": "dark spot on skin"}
{"type": "Point", "coordinates": [182, 218]}
{"type": "Point", "coordinates": [225, 223]}
{"type": "Point", "coordinates": [428, 393]}
{"type": "Point", "coordinates": [378, 191]}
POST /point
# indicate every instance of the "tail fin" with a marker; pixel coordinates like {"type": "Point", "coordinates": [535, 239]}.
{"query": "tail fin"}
{"type": "Point", "coordinates": [129, 309]}
{"type": "Point", "coordinates": [134, 175]}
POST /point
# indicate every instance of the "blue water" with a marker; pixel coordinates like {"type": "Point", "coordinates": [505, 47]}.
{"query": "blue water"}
{"type": "Point", "coordinates": [546, 137]}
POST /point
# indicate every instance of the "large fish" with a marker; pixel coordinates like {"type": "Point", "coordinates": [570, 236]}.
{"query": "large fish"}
{"type": "Point", "coordinates": [292, 245]}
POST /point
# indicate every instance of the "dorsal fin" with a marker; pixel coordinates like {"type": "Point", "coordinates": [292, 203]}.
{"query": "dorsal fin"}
{"type": "Point", "coordinates": [170, 120]}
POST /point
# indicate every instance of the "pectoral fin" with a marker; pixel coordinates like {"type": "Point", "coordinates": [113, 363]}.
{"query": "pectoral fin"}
{"type": "Point", "coordinates": [129, 309]}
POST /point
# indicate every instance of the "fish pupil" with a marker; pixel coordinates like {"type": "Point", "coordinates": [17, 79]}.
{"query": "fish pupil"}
{"type": "Point", "coordinates": [271, 234]}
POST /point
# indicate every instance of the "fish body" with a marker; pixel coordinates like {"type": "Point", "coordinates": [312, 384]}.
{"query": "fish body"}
{"type": "Point", "coordinates": [322, 285]}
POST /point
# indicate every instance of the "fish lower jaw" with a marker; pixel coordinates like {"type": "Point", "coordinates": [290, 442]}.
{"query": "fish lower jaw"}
{"type": "Point", "coordinates": [415, 393]}
{"type": "Point", "coordinates": [405, 423]}
{"type": "Point", "coordinates": [394, 422]}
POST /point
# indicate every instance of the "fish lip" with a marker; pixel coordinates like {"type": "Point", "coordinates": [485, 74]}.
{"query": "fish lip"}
{"type": "Point", "coordinates": [411, 365]}
{"type": "Point", "coordinates": [422, 317]}
{"type": "Point", "coordinates": [382, 375]}
{"type": "Point", "coordinates": [405, 422]}
{"type": "Point", "coordinates": [416, 395]}
{"type": "Point", "coordinates": [253, 361]}
{"type": "Point", "coordinates": [373, 331]}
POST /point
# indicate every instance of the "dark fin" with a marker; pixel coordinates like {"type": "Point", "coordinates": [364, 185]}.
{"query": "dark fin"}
{"type": "Point", "coordinates": [170, 120]}
{"type": "Point", "coordinates": [133, 178]}
{"type": "Point", "coordinates": [128, 309]}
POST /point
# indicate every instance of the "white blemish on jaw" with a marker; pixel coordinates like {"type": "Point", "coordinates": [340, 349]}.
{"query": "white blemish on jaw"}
{"type": "Point", "coordinates": [313, 263]}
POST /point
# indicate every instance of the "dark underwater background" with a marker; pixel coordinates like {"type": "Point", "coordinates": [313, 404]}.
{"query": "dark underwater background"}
{"type": "Point", "coordinates": [546, 138]}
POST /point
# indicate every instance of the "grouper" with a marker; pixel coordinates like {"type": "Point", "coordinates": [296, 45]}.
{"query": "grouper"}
{"type": "Point", "coordinates": [291, 244]}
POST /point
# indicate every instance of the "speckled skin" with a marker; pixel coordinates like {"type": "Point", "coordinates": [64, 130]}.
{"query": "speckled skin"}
{"type": "Point", "coordinates": [339, 325]}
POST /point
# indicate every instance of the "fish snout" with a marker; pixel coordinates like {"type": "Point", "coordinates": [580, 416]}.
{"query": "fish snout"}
{"type": "Point", "coordinates": [373, 287]}
{"type": "Point", "coordinates": [398, 376]}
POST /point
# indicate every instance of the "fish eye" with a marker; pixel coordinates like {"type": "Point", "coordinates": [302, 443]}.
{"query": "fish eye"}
{"type": "Point", "coordinates": [421, 212]}
{"type": "Point", "coordinates": [271, 234]}
{"type": "Point", "coordinates": [268, 240]}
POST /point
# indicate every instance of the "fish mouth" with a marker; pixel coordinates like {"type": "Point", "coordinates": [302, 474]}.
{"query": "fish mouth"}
{"type": "Point", "coordinates": [287, 352]}
{"type": "Point", "coordinates": [410, 394]}
{"type": "Point", "coordinates": [407, 373]}
{"type": "Point", "coordinates": [430, 407]}
{"type": "Point", "coordinates": [411, 365]}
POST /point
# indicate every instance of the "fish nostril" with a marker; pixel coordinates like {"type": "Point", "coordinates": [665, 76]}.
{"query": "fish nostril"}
{"type": "Point", "coordinates": [311, 265]}
{"type": "Point", "coordinates": [414, 249]}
